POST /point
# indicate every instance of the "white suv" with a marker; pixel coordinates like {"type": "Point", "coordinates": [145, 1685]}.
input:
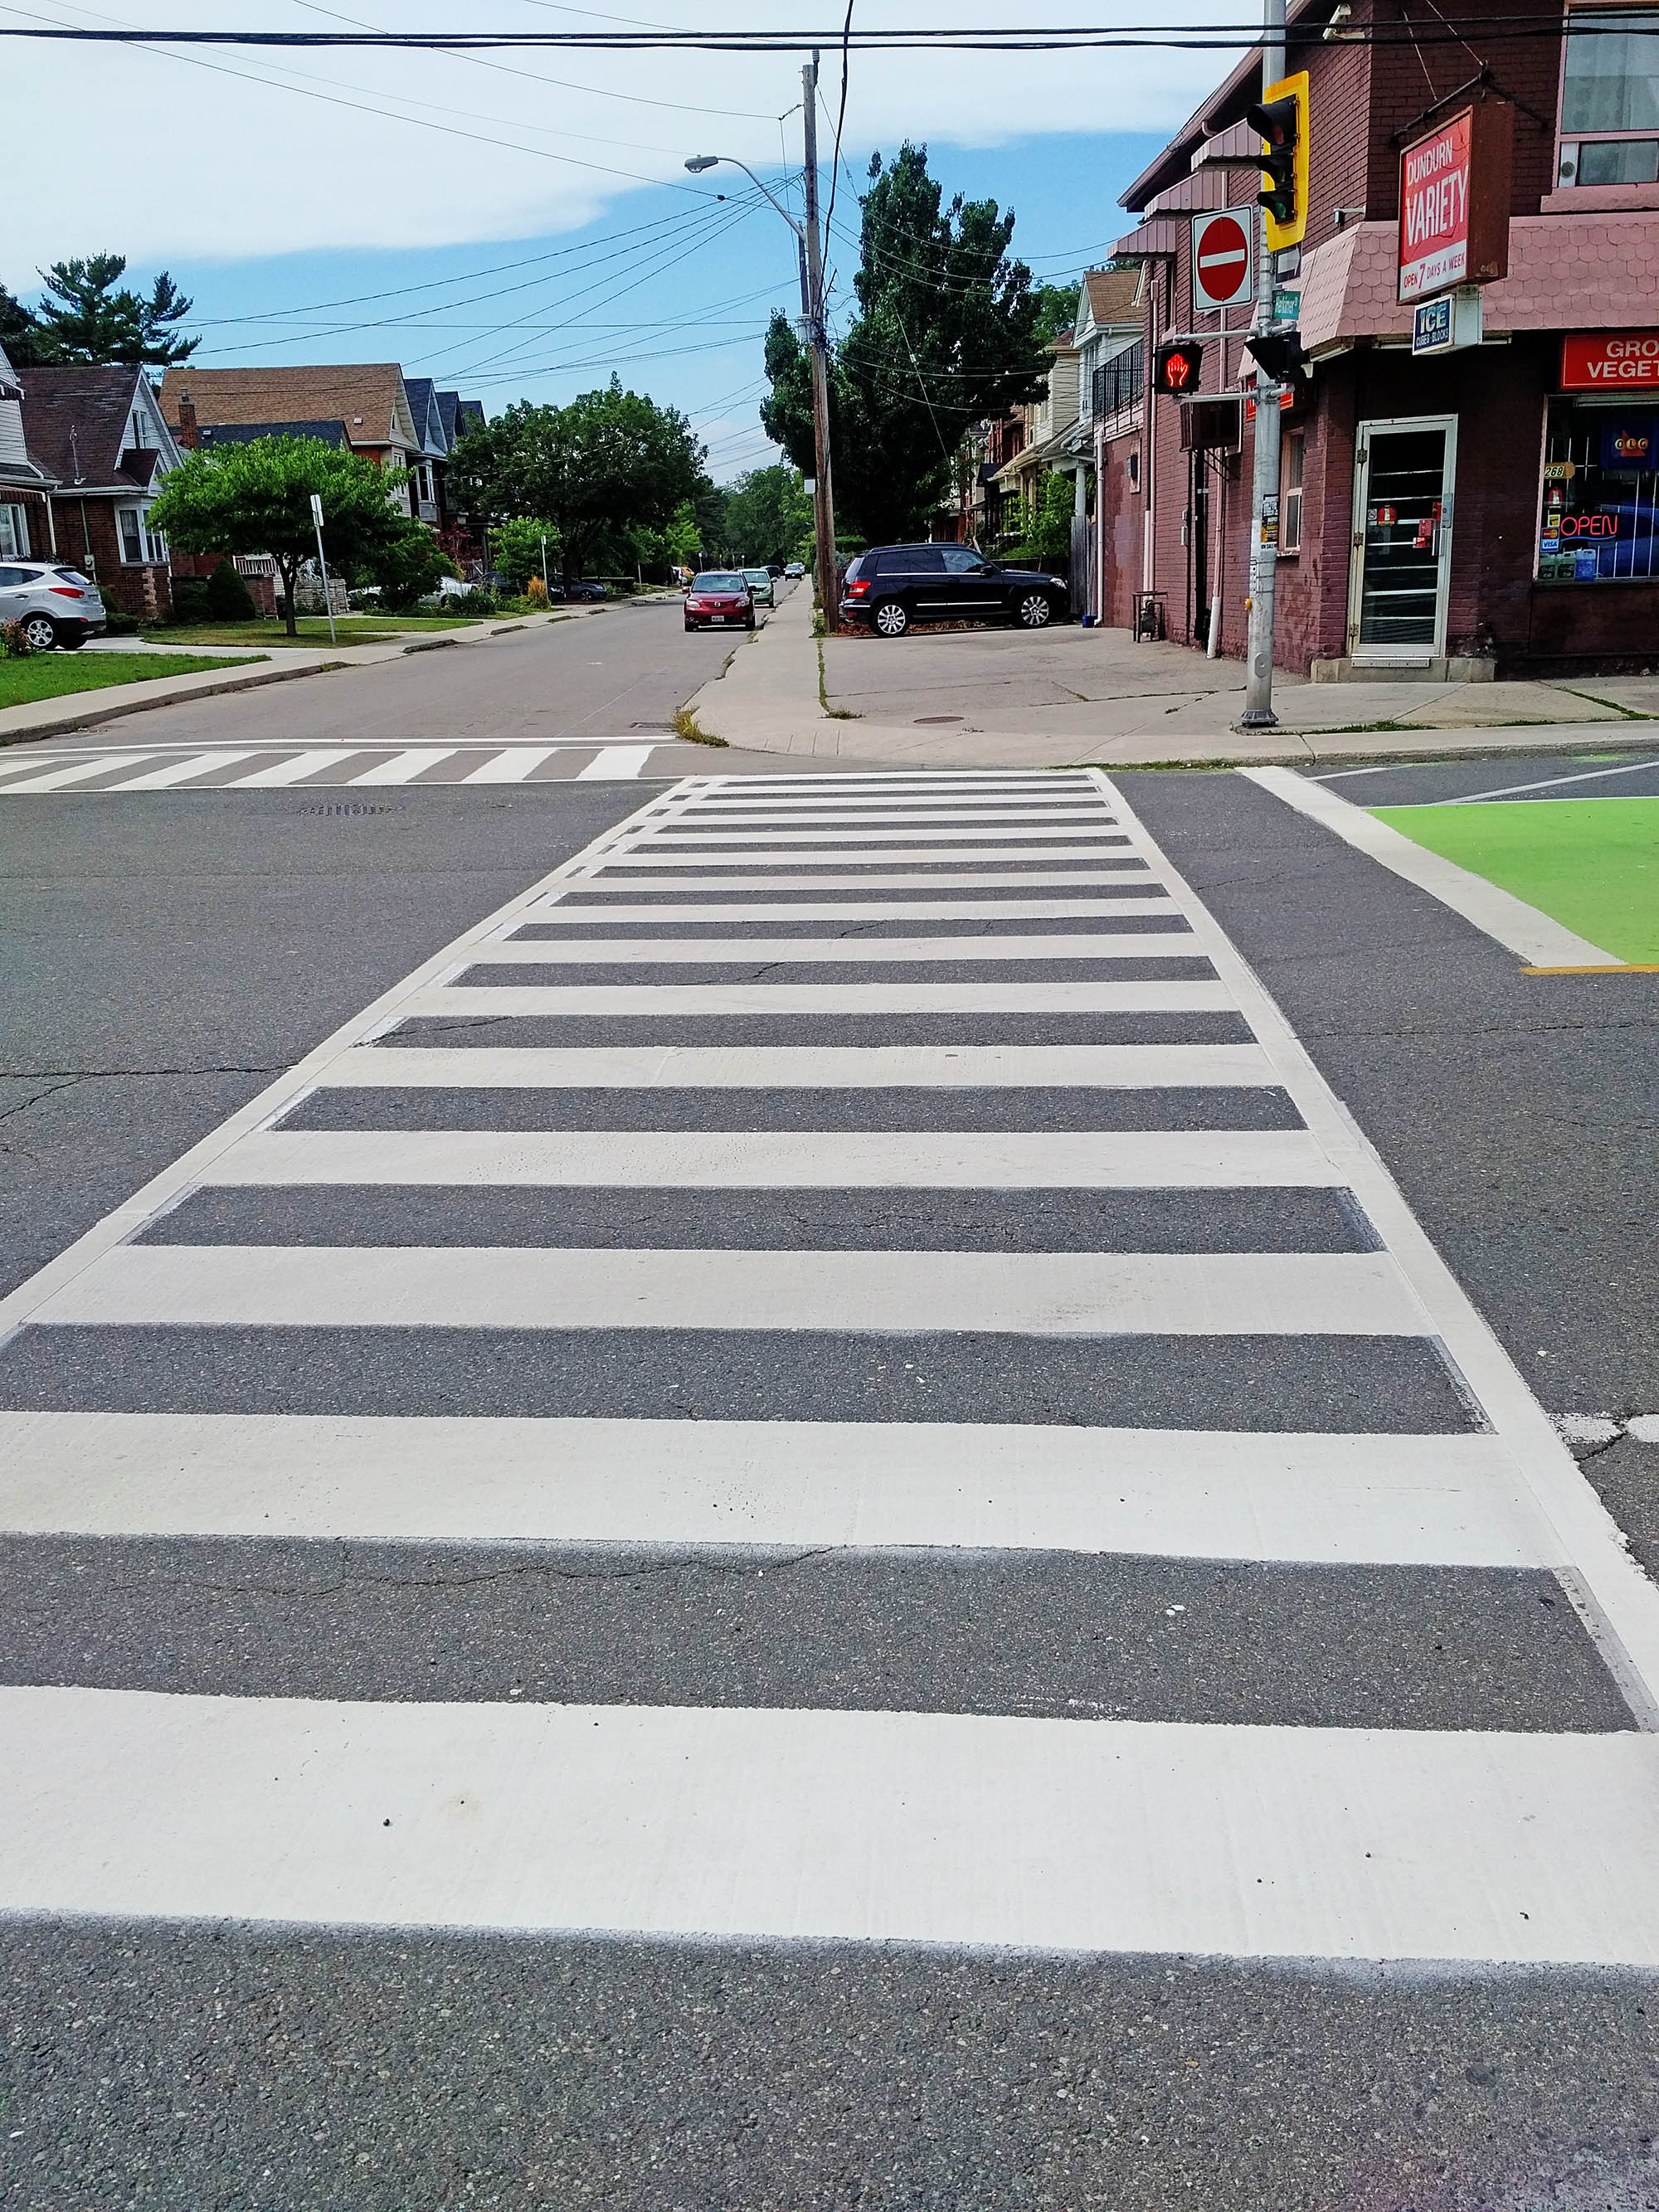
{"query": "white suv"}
{"type": "Point", "coordinates": [54, 606]}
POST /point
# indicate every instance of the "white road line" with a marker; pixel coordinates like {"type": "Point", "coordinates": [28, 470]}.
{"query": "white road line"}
{"type": "Point", "coordinates": [615, 763]}
{"type": "Point", "coordinates": [725, 998]}
{"type": "Point", "coordinates": [1074, 1836]}
{"type": "Point", "coordinates": [19, 1306]}
{"type": "Point", "coordinates": [512, 766]}
{"type": "Point", "coordinates": [857, 867]}
{"type": "Point", "coordinates": [1201, 1494]}
{"type": "Point", "coordinates": [404, 768]}
{"type": "Point", "coordinates": [704, 819]}
{"type": "Point", "coordinates": [859, 890]}
{"type": "Point", "coordinates": [1549, 783]}
{"type": "Point", "coordinates": [786, 1159]}
{"type": "Point", "coordinates": [1618, 1602]}
{"type": "Point", "coordinates": [496, 1287]}
{"type": "Point", "coordinates": [963, 910]}
{"type": "Point", "coordinates": [836, 838]}
{"type": "Point", "coordinates": [181, 771]}
{"type": "Point", "coordinates": [1518, 927]}
{"type": "Point", "coordinates": [799, 1066]}
{"type": "Point", "coordinates": [876, 952]}
{"type": "Point", "coordinates": [298, 769]}
{"type": "Point", "coordinates": [59, 779]}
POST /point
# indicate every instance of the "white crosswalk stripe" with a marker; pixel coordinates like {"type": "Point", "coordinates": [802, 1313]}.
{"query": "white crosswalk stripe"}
{"type": "Point", "coordinates": [64, 767]}
{"type": "Point", "coordinates": [975, 1277]}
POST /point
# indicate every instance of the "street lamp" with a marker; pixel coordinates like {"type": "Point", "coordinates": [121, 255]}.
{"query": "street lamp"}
{"type": "Point", "coordinates": [811, 308]}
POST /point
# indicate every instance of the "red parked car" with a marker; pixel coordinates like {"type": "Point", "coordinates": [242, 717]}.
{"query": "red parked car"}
{"type": "Point", "coordinates": [720, 600]}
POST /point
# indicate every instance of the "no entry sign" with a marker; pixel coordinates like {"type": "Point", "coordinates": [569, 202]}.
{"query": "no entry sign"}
{"type": "Point", "coordinates": [1223, 263]}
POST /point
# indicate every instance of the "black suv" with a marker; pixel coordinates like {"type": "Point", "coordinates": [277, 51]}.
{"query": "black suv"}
{"type": "Point", "coordinates": [891, 586]}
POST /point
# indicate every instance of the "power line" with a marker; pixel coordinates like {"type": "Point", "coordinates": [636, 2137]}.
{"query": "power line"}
{"type": "Point", "coordinates": [1195, 38]}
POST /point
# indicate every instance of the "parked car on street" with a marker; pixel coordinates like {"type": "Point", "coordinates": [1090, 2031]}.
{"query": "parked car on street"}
{"type": "Point", "coordinates": [52, 606]}
{"type": "Point", "coordinates": [891, 587]}
{"type": "Point", "coordinates": [794, 571]}
{"type": "Point", "coordinates": [720, 598]}
{"type": "Point", "coordinates": [580, 589]}
{"type": "Point", "coordinates": [759, 581]}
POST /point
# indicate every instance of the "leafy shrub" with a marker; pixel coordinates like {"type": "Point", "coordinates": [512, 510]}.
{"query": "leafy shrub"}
{"type": "Point", "coordinates": [228, 597]}
{"type": "Point", "coordinates": [14, 646]}
{"type": "Point", "coordinates": [189, 599]}
{"type": "Point", "coordinates": [536, 591]}
{"type": "Point", "coordinates": [407, 568]}
{"type": "Point", "coordinates": [475, 602]}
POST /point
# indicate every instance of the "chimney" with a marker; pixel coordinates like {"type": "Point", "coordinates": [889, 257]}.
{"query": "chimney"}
{"type": "Point", "coordinates": [189, 436]}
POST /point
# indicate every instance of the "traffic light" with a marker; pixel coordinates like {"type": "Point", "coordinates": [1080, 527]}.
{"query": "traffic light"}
{"type": "Point", "coordinates": [1176, 367]}
{"type": "Point", "coordinates": [1278, 352]}
{"type": "Point", "coordinates": [1281, 117]}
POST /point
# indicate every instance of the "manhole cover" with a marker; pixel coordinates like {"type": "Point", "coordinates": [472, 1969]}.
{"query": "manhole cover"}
{"type": "Point", "coordinates": [921, 719]}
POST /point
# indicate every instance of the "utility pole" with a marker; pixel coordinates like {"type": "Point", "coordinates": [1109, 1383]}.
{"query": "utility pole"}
{"type": "Point", "coordinates": [824, 499]}
{"type": "Point", "coordinates": [1258, 713]}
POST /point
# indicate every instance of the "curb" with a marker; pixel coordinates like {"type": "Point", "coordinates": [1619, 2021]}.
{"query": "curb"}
{"type": "Point", "coordinates": [90, 718]}
{"type": "Point", "coordinates": [117, 700]}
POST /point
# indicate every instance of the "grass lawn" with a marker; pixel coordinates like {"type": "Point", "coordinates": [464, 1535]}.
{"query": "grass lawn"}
{"type": "Point", "coordinates": [56, 675]}
{"type": "Point", "coordinates": [353, 629]}
{"type": "Point", "coordinates": [1592, 864]}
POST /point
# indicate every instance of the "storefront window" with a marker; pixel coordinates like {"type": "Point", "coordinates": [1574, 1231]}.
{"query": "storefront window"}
{"type": "Point", "coordinates": [1598, 523]}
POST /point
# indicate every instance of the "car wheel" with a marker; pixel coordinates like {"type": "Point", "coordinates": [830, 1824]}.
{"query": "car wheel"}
{"type": "Point", "coordinates": [39, 633]}
{"type": "Point", "coordinates": [1035, 611]}
{"type": "Point", "coordinates": [891, 617]}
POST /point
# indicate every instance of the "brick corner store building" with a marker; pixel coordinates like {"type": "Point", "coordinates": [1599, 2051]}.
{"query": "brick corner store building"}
{"type": "Point", "coordinates": [1491, 510]}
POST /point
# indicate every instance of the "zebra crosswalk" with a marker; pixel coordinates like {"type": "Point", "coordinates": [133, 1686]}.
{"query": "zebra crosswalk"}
{"type": "Point", "coordinates": [833, 1374]}
{"type": "Point", "coordinates": [92, 769]}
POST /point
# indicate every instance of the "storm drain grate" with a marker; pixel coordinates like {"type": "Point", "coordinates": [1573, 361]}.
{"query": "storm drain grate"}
{"type": "Point", "coordinates": [343, 810]}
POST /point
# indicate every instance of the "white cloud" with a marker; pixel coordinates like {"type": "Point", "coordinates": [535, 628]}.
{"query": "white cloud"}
{"type": "Point", "coordinates": [238, 154]}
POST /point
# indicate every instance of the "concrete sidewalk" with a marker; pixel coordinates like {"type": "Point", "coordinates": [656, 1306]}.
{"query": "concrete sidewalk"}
{"type": "Point", "coordinates": [86, 710]}
{"type": "Point", "coordinates": [998, 698]}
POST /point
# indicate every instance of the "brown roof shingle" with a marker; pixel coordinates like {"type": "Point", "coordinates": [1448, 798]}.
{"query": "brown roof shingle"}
{"type": "Point", "coordinates": [74, 421]}
{"type": "Point", "coordinates": [1112, 294]}
{"type": "Point", "coordinates": [369, 397]}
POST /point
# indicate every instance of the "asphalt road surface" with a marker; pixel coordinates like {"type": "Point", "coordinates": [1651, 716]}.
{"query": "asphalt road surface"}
{"type": "Point", "coordinates": [794, 1522]}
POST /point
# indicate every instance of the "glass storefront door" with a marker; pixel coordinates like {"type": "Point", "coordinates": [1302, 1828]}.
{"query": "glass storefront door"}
{"type": "Point", "coordinates": [1403, 474]}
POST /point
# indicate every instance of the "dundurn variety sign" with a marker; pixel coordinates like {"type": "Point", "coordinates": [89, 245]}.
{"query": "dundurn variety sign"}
{"type": "Point", "coordinates": [1455, 202]}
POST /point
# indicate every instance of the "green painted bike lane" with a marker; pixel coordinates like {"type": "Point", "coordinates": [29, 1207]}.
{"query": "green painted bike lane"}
{"type": "Point", "coordinates": [1591, 864]}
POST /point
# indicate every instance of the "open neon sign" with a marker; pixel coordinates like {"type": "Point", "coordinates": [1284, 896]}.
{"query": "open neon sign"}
{"type": "Point", "coordinates": [1585, 525]}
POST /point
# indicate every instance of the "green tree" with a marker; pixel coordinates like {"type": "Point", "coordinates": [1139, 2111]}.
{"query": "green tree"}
{"type": "Point", "coordinates": [945, 335]}
{"type": "Point", "coordinates": [515, 548]}
{"type": "Point", "coordinates": [406, 566]}
{"type": "Point", "coordinates": [83, 317]}
{"type": "Point", "coordinates": [255, 498]}
{"type": "Point", "coordinates": [609, 464]}
{"type": "Point", "coordinates": [769, 516]}
{"type": "Point", "coordinates": [19, 333]}
{"type": "Point", "coordinates": [1046, 535]}
{"type": "Point", "coordinates": [1057, 310]}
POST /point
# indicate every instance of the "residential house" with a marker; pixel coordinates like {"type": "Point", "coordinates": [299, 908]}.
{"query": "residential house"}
{"type": "Point", "coordinates": [97, 433]}
{"type": "Point", "coordinates": [25, 506]}
{"type": "Point", "coordinates": [1111, 372]}
{"type": "Point", "coordinates": [430, 467]}
{"type": "Point", "coordinates": [461, 529]}
{"type": "Point", "coordinates": [1463, 512]}
{"type": "Point", "coordinates": [369, 400]}
{"type": "Point", "coordinates": [1047, 424]}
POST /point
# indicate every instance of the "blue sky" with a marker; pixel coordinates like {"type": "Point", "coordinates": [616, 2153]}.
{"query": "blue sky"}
{"type": "Point", "coordinates": [674, 296]}
{"type": "Point", "coordinates": [539, 195]}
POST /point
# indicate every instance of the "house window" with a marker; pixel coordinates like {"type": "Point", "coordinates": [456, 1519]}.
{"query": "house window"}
{"type": "Point", "coordinates": [14, 533]}
{"type": "Point", "coordinates": [1610, 103]}
{"type": "Point", "coordinates": [1289, 507]}
{"type": "Point", "coordinates": [139, 543]}
{"type": "Point", "coordinates": [1133, 466]}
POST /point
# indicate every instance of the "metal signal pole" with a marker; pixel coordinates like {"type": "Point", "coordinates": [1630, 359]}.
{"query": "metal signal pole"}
{"type": "Point", "coordinates": [823, 498]}
{"type": "Point", "coordinates": [1258, 713]}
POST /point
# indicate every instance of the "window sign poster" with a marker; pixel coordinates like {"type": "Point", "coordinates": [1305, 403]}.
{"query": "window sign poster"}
{"type": "Point", "coordinates": [1629, 441]}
